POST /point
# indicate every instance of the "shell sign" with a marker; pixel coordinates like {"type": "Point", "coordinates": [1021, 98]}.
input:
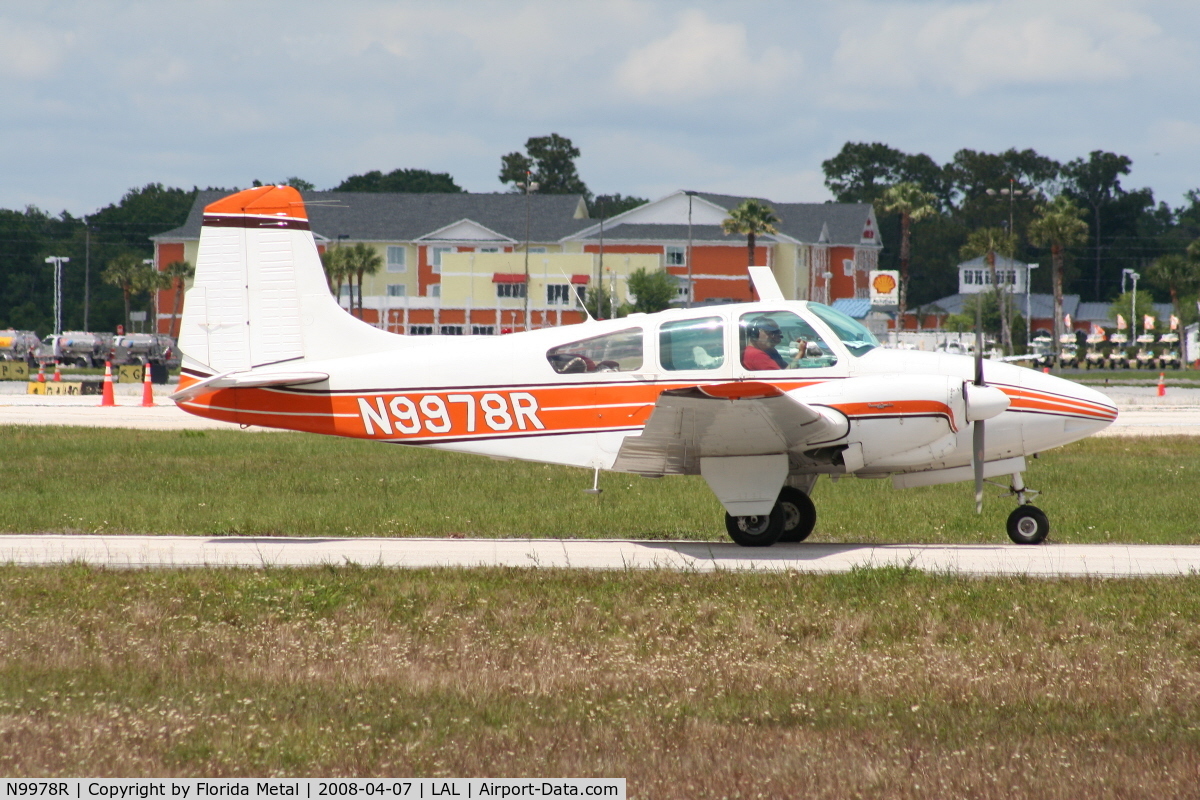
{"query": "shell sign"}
{"type": "Point", "coordinates": [885, 287]}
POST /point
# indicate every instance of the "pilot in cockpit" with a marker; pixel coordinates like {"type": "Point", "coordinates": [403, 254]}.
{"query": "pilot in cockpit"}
{"type": "Point", "coordinates": [763, 337]}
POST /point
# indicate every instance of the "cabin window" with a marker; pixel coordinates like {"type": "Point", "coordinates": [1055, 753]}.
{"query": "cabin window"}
{"type": "Point", "coordinates": [692, 344]}
{"type": "Point", "coordinates": [620, 351]}
{"type": "Point", "coordinates": [781, 340]}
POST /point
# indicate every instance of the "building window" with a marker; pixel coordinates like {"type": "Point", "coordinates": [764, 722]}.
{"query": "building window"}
{"type": "Point", "coordinates": [435, 257]}
{"type": "Point", "coordinates": [397, 290]}
{"type": "Point", "coordinates": [487, 249]}
{"type": "Point", "coordinates": [397, 258]}
{"type": "Point", "coordinates": [848, 267]}
{"type": "Point", "coordinates": [420, 330]}
{"type": "Point", "coordinates": [510, 290]}
{"type": "Point", "coordinates": [581, 293]}
{"type": "Point", "coordinates": [558, 294]}
{"type": "Point", "coordinates": [683, 293]}
{"type": "Point", "coordinates": [968, 277]}
{"type": "Point", "coordinates": [451, 330]}
{"type": "Point", "coordinates": [345, 291]}
{"type": "Point", "coordinates": [483, 330]}
{"type": "Point", "coordinates": [433, 290]}
{"type": "Point", "coordinates": [675, 256]}
{"type": "Point", "coordinates": [537, 249]}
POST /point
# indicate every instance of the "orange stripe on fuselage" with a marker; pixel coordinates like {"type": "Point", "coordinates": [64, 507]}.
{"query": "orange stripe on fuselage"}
{"type": "Point", "coordinates": [1032, 400]}
{"type": "Point", "coordinates": [440, 414]}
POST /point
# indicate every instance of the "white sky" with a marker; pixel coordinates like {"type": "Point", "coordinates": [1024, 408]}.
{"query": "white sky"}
{"type": "Point", "coordinates": [97, 97]}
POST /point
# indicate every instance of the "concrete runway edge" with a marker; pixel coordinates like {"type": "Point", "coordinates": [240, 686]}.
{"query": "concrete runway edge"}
{"type": "Point", "coordinates": [1043, 561]}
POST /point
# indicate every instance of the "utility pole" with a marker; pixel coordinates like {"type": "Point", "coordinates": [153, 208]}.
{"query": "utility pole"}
{"type": "Point", "coordinates": [688, 304]}
{"type": "Point", "coordinates": [57, 261]}
{"type": "Point", "coordinates": [529, 186]}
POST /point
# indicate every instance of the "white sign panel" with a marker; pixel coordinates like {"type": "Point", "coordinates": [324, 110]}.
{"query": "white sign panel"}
{"type": "Point", "coordinates": [885, 287]}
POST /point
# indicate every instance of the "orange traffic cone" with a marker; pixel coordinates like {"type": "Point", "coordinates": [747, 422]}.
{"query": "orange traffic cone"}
{"type": "Point", "coordinates": [1162, 385]}
{"type": "Point", "coordinates": [57, 372]}
{"type": "Point", "coordinates": [41, 372]}
{"type": "Point", "coordinates": [107, 398]}
{"type": "Point", "coordinates": [147, 389]}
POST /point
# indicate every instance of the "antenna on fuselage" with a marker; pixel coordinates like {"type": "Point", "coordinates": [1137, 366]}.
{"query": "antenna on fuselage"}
{"type": "Point", "coordinates": [582, 305]}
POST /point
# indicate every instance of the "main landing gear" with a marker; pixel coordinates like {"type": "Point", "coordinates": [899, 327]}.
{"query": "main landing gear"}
{"type": "Point", "coordinates": [791, 520]}
{"type": "Point", "coordinates": [1027, 524]}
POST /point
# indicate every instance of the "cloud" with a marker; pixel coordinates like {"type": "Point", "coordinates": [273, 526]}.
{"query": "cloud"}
{"type": "Point", "coordinates": [702, 59]}
{"type": "Point", "coordinates": [30, 51]}
{"type": "Point", "coordinates": [971, 48]}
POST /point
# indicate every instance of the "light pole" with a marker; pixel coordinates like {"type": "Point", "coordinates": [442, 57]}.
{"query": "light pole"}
{"type": "Point", "coordinates": [528, 186]}
{"type": "Point", "coordinates": [1012, 193]}
{"type": "Point", "coordinates": [690, 195]}
{"type": "Point", "coordinates": [1029, 268]}
{"type": "Point", "coordinates": [57, 261]}
{"type": "Point", "coordinates": [1134, 277]}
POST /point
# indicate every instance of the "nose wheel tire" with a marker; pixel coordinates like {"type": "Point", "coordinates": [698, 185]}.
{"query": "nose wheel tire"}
{"type": "Point", "coordinates": [799, 514]}
{"type": "Point", "coordinates": [756, 531]}
{"type": "Point", "coordinates": [1028, 525]}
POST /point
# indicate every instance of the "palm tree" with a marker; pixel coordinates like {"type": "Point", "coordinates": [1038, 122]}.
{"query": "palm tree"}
{"type": "Point", "coordinates": [148, 279]}
{"type": "Point", "coordinates": [362, 259]}
{"type": "Point", "coordinates": [752, 219]}
{"type": "Point", "coordinates": [124, 271]}
{"type": "Point", "coordinates": [334, 262]}
{"type": "Point", "coordinates": [1059, 226]}
{"type": "Point", "coordinates": [988, 242]}
{"type": "Point", "coordinates": [913, 205]}
{"type": "Point", "coordinates": [1177, 274]}
{"type": "Point", "coordinates": [177, 272]}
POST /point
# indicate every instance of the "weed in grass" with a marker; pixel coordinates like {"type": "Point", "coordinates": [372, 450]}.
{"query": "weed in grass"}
{"type": "Point", "coordinates": [878, 683]}
{"type": "Point", "coordinates": [236, 483]}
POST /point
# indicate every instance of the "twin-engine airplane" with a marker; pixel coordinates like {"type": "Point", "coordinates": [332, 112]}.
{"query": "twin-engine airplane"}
{"type": "Point", "coordinates": [758, 398]}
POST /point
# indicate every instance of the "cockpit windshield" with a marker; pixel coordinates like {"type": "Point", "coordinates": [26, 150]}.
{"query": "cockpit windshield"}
{"type": "Point", "coordinates": [854, 334]}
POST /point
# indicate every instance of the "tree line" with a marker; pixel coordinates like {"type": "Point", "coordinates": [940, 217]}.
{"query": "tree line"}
{"type": "Point", "coordinates": [1075, 219]}
{"type": "Point", "coordinates": [1029, 206]}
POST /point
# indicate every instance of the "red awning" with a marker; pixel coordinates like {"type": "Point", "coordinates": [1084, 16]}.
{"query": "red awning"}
{"type": "Point", "coordinates": [508, 277]}
{"type": "Point", "coordinates": [580, 278]}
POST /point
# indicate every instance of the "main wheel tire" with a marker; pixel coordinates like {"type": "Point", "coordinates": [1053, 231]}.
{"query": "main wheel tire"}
{"type": "Point", "coordinates": [1028, 525]}
{"type": "Point", "coordinates": [756, 531]}
{"type": "Point", "coordinates": [799, 514]}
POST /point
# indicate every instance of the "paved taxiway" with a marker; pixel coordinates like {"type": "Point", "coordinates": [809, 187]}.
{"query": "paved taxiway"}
{"type": "Point", "coordinates": [1101, 560]}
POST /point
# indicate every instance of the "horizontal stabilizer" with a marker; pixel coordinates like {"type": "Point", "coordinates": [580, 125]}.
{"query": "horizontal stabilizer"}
{"type": "Point", "coordinates": [247, 380]}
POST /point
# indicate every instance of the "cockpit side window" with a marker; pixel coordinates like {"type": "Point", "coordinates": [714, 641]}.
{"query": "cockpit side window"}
{"type": "Point", "coordinates": [620, 351]}
{"type": "Point", "coordinates": [692, 344]}
{"type": "Point", "coordinates": [782, 340]}
{"type": "Point", "coordinates": [854, 334]}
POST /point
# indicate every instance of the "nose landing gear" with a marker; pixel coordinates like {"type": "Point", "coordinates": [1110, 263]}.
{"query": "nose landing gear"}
{"type": "Point", "coordinates": [1027, 524]}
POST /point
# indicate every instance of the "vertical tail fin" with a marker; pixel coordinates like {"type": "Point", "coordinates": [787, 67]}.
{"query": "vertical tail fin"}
{"type": "Point", "coordinates": [259, 296]}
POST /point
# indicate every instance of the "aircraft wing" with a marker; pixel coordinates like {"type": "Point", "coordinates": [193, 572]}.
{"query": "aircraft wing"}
{"type": "Point", "coordinates": [732, 419]}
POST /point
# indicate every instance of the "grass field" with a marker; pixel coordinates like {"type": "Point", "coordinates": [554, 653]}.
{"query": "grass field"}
{"type": "Point", "coordinates": [879, 683]}
{"type": "Point", "coordinates": [77, 480]}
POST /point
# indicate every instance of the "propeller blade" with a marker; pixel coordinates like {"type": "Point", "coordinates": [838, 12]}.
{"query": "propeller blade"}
{"type": "Point", "coordinates": [979, 340]}
{"type": "Point", "coordinates": [977, 462]}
